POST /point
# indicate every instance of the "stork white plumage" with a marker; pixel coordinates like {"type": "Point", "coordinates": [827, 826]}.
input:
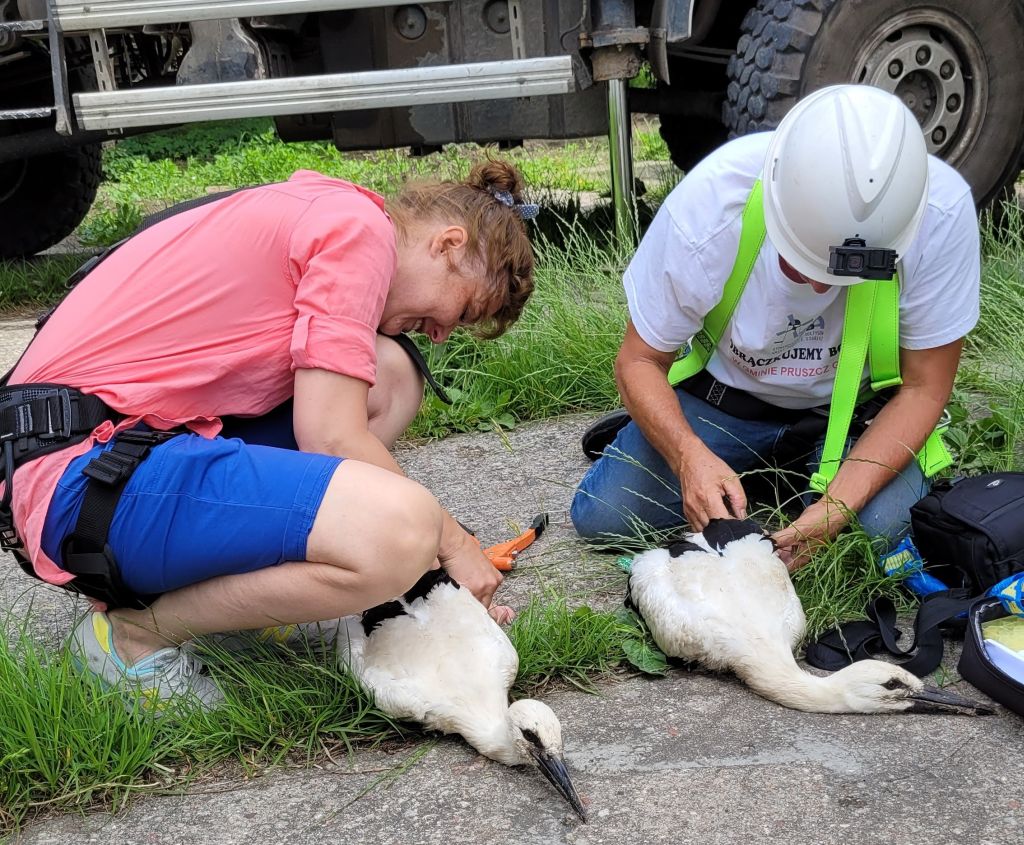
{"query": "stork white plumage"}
{"type": "Point", "coordinates": [436, 657]}
{"type": "Point", "coordinates": [724, 599]}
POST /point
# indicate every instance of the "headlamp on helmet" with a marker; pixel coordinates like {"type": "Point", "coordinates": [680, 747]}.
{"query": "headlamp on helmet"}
{"type": "Point", "coordinates": [855, 258]}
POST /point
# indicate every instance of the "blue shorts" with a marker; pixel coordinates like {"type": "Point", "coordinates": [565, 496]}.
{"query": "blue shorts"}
{"type": "Point", "coordinates": [198, 508]}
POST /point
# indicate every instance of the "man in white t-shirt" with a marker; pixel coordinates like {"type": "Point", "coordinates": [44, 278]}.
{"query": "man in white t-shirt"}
{"type": "Point", "coordinates": [848, 165]}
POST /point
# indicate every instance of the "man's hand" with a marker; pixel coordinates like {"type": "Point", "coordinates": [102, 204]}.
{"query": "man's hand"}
{"type": "Point", "coordinates": [467, 564]}
{"type": "Point", "coordinates": [818, 524]}
{"type": "Point", "coordinates": [710, 489]}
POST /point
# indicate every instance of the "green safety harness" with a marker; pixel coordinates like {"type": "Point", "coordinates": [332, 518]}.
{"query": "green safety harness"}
{"type": "Point", "coordinates": [870, 331]}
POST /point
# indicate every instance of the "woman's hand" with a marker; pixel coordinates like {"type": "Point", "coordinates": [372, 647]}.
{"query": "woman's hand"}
{"type": "Point", "coordinates": [465, 561]}
{"type": "Point", "coordinates": [710, 489]}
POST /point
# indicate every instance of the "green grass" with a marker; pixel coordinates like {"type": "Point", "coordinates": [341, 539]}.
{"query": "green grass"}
{"type": "Point", "coordinates": [66, 743]}
{"type": "Point", "coordinates": [35, 284]}
{"type": "Point", "coordinates": [146, 174]}
{"type": "Point", "coordinates": [556, 643]}
{"type": "Point", "coordinates": [842, 579]}
{"type": "Point", "coordinates": [557, 359]}
{"type": "Point", "coordinates": [988, 406]}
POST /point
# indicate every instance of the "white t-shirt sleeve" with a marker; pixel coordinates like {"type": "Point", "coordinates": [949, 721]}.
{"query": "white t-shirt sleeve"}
{"type": "Point", "coordinates": [668, 288]}
{"type": "Point", "coordinates": [679, 271]}
{"type": "Point", "coordinates": [653, 282]}
{"type": "Point", "coordinates": [939, 302]}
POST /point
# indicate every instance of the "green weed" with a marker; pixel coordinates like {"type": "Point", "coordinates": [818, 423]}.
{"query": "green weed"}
{"type": "Point", "coordinates": [842, 578]}
{"type": "Point", "coordinates": [35, 283]}
{"type": "Point", "coordinates": [557, 359]}
{"type": "Point", "coordinates": [107, 224]}
{"type": "Point", "coordinates": [988, 402]}
{"type": "Point", "coordinates": [556, 643]}
{"type": "Point", "coordinates": [151, 172]}
{"type": "Point", "coordinates": [648, 145]}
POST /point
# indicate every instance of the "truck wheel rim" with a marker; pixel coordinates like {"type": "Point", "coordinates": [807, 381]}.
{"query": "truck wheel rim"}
{"type": "Point", "coordinates": [934, 63]}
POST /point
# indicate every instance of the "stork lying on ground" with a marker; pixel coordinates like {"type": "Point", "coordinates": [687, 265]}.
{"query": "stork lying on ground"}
{"type": "Point", "coordinates": [725, 600]}
{"type": "Point", "coordinates": [436, 657]}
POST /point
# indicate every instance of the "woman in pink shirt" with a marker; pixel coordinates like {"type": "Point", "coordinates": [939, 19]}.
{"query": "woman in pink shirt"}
{"type": "Point", "coordinates": [229, 310]}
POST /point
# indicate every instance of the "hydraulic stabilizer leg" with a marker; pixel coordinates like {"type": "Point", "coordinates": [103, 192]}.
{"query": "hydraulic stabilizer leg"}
{"type": "Point", "coordinates": [616, 41]}
{"type": "Point", "coordinates": [620, 155]}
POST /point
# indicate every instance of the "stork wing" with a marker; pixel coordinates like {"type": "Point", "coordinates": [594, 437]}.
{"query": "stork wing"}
{"type": "Point", "coordinates": [709, 608]}
{"type": "Point", "coordinates": [441, 661]}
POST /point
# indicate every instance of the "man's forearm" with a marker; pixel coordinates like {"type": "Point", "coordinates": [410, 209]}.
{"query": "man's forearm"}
{"type": "Point", "coordinates": [891, 441]}
{"type": "Point", "coordinates": [653, 405]}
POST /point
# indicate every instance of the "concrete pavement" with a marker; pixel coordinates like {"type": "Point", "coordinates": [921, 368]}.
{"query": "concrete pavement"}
{"type": "Point", "coordinates": [691, 758]}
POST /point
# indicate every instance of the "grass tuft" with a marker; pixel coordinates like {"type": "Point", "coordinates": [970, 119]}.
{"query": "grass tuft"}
{"type": "Point", "coordinates": [35, 283]}
{"type": "Point", "coordinates": [556, 360]}
{"type": "Point", "coordinates": [842, 578]}
{"type": "Point", "coordinates": [556, 643]}
{"type": "Point", "coordinates": [988, 400]}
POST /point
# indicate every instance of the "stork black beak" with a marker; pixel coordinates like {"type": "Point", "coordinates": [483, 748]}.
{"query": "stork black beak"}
{"type": "Point", "coordinates": [552, 766]}
{"type": "Point", "coordinates": [933, 700]}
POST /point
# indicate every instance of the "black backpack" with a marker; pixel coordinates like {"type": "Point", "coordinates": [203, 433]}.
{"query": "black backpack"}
{"type": "Point", "coordinates": [970, 531]}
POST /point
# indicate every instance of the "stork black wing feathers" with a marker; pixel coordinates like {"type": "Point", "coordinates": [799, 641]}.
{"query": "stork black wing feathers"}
{"type": "Point", "coordinates": [680, 547]}
{"type": "Point", "coordinates": [378, 615]}
{"type": "Point", "coordinates": [431, 579]}
{"type": "Point", "coordinates": [720, 532]}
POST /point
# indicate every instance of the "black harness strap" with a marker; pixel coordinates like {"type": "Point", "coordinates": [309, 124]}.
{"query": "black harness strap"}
{"type": "Point", "coordinates": [409, 345]}
{"type": "Point", "coordinates": [36, 419]}
{"type": "Point", "coordinates": [805, 425]}
{"type": "Point", "coordinates": [86, 552]}
{"type": "Point", "coordinates": [863, 640]}
{"type": "Point", "coordinates": [742, 405]}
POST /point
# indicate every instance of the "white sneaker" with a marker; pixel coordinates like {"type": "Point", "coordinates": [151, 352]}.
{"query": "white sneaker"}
{"type": "Point", "coordinates": [168, 677]}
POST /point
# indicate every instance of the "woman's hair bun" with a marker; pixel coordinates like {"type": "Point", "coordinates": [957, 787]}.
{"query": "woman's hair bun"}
{"type": "Point", "coordinates": [494, 175]}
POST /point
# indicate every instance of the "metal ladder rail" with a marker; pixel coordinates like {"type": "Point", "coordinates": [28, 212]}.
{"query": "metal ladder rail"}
{"type": "Point", "coordinates": [32, 112]}
{"type": "Point", "coordinates": [79, 16]}
{"type": "Point", "coordinates": [326, 93]}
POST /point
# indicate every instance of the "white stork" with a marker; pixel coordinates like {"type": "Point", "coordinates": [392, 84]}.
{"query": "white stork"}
{"type": "Point", "coordinates": [436, 657]}
{"type": "Point", "coordinates": [725, 600]}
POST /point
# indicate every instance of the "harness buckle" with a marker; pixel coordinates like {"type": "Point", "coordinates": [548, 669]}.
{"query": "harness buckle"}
{"type": "Point", "coordinates": [110, 468]}
{"type": "Point", "coordinates": [64, 432]}
{"type": "Point", "coordinates": [145, 436]}
{"type": "Point", "coordinates": [9, 540]}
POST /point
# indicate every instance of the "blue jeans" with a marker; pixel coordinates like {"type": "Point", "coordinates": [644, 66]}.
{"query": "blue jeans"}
{"type": "Point", "coordinates": [630, 492]}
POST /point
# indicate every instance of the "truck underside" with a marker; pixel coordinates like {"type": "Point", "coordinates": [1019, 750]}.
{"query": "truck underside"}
{"type": "Point", "coordinates": [368, 74]}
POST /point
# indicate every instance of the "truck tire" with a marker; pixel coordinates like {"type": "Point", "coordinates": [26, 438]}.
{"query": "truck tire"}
{"type": "Point", "coordinates": [955, 63]}
{"type": "Point", "coordinates": [43, 199]}
{"type": "Point", "coordinates": [690, 139]}
{"type": "Point", "coordinates": [691, 110]}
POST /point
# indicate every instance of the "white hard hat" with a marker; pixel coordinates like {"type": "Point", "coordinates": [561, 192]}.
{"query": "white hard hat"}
{"type": "Point", "coordinates": [847, 162]}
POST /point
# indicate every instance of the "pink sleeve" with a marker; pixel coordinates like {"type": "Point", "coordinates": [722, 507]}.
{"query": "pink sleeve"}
{"type": "Point", "coordinates": [341, 257]}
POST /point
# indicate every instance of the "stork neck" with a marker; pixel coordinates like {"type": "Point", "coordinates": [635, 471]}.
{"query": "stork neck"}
{"type": "Point", "coordinates": [783, 681]}
{"type": "Point", "coordinates": [494, 740]}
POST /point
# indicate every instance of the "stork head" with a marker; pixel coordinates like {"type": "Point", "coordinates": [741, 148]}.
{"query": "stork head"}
{"type": "Point", "coordinates": [537, 734]}
{"type": "Point", "coordinates": [873, 686]}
